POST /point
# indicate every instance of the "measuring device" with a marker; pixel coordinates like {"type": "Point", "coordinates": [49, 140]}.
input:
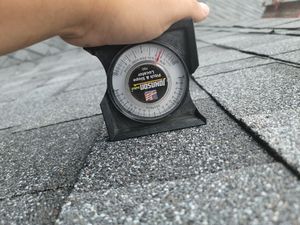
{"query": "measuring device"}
{"type": "Point", "coordinates": [148, 84]}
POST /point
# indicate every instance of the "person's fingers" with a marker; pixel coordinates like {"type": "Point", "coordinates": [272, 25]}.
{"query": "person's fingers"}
{"type": "Point", "coordinates": [181, 9]}
{"type": "Point", "coordinates": [200, 11]}
{"type": "Point", "coordinates": [175, 10]}
{"type": "Point", "coordinates": [118, 25]}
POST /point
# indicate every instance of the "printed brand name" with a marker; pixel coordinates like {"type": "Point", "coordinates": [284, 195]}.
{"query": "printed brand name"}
{"type": "Point", "coordinates": [155, 84]}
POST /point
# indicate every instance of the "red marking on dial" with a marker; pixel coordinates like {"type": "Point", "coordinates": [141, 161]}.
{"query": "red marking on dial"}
{"type": "Point", "coordinates": [158, 56]}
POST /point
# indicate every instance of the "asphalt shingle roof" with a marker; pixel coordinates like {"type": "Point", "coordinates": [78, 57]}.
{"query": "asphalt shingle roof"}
{"type": "Point", "coordinates": [243, 167]}
{"type": "Point", "coordinates": [255, 195]}
{"type": "Point", "coordinates": [266, 96]}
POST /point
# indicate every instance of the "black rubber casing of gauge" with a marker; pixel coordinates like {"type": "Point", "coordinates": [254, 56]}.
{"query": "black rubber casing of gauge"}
{"type": "Point", "coordinates": [180, 39]}
{"type": "Point", "coordinates": [128, 114]}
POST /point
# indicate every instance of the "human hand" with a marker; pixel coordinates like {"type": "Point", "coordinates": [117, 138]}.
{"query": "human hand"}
{"type": "Point", "coordinates": [130, 21]}
{"type": "Point", "coordinates": [89, 23]}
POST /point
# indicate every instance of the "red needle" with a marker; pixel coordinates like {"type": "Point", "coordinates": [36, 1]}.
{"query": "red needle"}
{"type": "Point", "coordinates": [158, 56]}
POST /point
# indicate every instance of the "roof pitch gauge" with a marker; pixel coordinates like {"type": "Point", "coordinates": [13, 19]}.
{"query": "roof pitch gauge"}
{"type": "Point", "coordinates": [148, 84]}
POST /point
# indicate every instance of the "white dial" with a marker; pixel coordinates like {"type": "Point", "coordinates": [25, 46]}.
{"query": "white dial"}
{"type": "Point", "coordinates": [148, 82]}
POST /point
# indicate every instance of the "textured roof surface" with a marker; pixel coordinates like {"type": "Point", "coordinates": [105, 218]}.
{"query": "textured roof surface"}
{"type": "Point", "coordinates": [40, 50]}
{"type": "Point", "coordinates": [265, 96]}
{"type": "Point", "coordinates": [243, 167]}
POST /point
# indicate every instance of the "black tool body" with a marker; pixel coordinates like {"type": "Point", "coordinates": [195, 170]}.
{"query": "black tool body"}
{"type": "Point", "coordinates": [125, 121]}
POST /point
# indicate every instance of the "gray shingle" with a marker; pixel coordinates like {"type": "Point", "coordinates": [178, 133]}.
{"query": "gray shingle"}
{"type": "Point", "coordinates": [3, 61]}
{"type": "Point", "coordinates": [264, 89]}
{"type": "Point", "coordinates": [258, 195]}
{"type": "Point", "coordinates": [58, 43]}
{"type": "Point", "coordinates": [196, 92]}
{"type": "Point", "coordinates": [37, 51]}
{"type": "Point", "coordinates": [175, 155]}
{"type": "Point", "coordinates": [293, 56]}
{"type": "Point", "coordinates": [293, 25]}
{"type": "Point", "coordinates": [24, 55]}
{"type": "Point", "coordinates": [212, 34]}
{"type": "Point", "coordinates": [252, 30]}
{"type": "Point", "coordinates": [39, 208]}
{"type": "Point", "coordinates": [17, 88]}
{"type": "Point", "coordinates": [45, 158]}
{"type": "Point", "coordinates": [33, 113]}
{"type": "Point", "coordinates": [61, 67]}
{"type": "Point", "coordinates": [12, 72]}
{"type": "Point", "coordinates": [215, 55]}
{"type": "Point", "coordinates": [243, 41]}
{"type": "Point", "coordinates": [36, 95]}
{"type": "Point", "coordinates": [268, 90]}
{"type": "Point", "coordinates": [282, 131]}
{"type": "Point", "coordinates": [276, 47]}
{"type": "Point", "coordinates": [259, 43]}
{"type": "Point", "coordinates": [89, 79]}
{"type": "Point", "coordinates": [287, 32]}
{"type": "Point", "coordinates": [230, 66]}
{"type": "Point", "coordinates": [43, 49]}
{"type": "Point", "coordinates": [267, 23]}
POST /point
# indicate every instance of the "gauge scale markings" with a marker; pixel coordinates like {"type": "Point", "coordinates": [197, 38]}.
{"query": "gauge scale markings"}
{"type": "Point", "coordinates": [148, 87]}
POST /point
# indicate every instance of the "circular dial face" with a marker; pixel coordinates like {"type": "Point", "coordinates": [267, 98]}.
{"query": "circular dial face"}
{"type": "Point", "coordinates": [148, 82]}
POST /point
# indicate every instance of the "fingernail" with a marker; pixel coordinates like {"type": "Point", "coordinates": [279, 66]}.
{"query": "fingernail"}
{"type": "Point", "coordinates": [205, 8]}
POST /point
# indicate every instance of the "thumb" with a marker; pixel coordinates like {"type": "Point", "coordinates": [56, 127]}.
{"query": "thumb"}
{"type": "Point", "coordinates": [200, 11]}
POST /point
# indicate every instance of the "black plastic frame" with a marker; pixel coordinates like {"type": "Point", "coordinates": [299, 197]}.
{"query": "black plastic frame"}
{"type": "Point", "coordinates": [179, 38]}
